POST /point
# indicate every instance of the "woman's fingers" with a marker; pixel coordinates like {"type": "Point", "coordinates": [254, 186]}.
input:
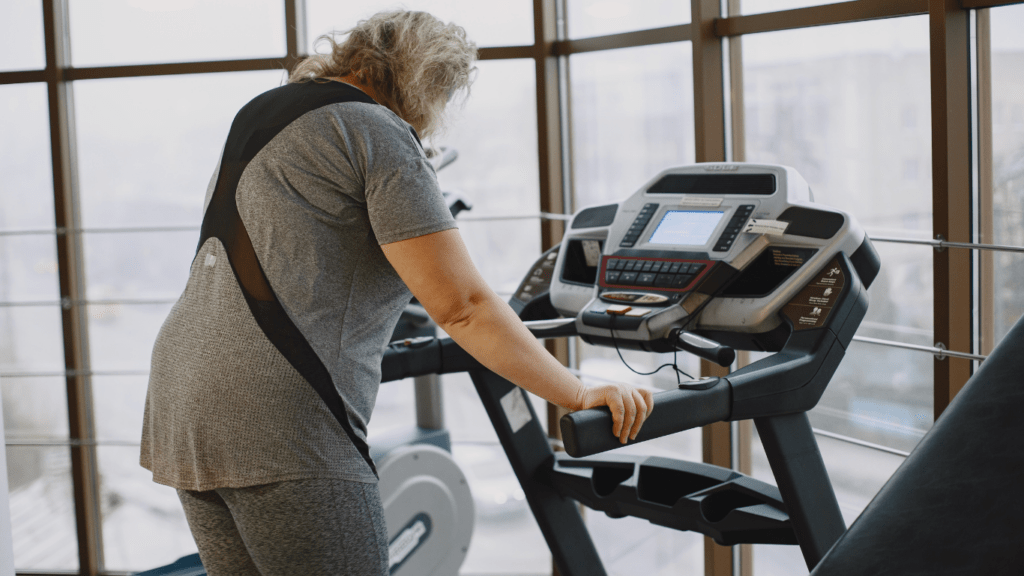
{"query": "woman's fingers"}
{"type": "Point", "coordinates": [629, 406]}
{"type": "Point", "coordinates": [641, 413]}
{"type": "Point", "coordinates": [630, 416]}
{"type": "Point", "coordinates": [618, 409]}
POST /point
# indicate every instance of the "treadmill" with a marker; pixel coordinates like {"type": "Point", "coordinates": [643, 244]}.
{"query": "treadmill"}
{"type": "Point", "coordinates": [708, 259]}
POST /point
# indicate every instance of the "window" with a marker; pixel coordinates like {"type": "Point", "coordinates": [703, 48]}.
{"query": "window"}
{"type": "Point", "coordinates": [588, 18]}
{"type": "Point", "coordinates": [111, 32]}
{"type": "Point", "coordinates": [1007, 166]}
{"type": "Point", "coordinates": [486, 23]}
{"type": "Point", "coordinates": [760, 6]}
{"type": "Point", "coordinates": [830, 113]}
{"type": "Point", "coordinates": [21, 35]}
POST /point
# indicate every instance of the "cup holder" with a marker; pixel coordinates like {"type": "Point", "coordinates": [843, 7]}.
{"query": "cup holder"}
{"type": "Point", "coordinates": [607, 478]}
{"type": "Point", "coordinates": [666, 486]}
{"type": "Point", "coordinates": [716, 506]}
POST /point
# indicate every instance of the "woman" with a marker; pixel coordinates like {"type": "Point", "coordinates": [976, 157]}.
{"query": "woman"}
{"type": "Point", "coordinates": [322, 220]}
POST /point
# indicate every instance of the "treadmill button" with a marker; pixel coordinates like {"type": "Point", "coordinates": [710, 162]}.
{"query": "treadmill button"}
{"type": "Point", "coordinates": [674, 267]}
{"type": "Point", "coordinates": [627, 278]}
{"type": "Point", "coordinates": [627, 243]}
{"type": "Point", "coordinates": [663, 280]}
{"type": "Point", "coordinates": [696, 268]}
{"type": "Point", "coordinates": [648, 266]}
{"type": "Point", "coordinates": [645, 279]}
{"type": "Point", "coordinates": [684, 268]}
{"type": "Point", "coordinates": [611, 277]}
{"type": "Point", "coordinates": [657, 266]}
{"type": "Point", "coordinates": [613, 264]}
{"type": "Point", "coordinates": [681, 280]}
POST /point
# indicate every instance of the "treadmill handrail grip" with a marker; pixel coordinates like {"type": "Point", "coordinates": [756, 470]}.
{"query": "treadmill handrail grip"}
{"type": "Point", "coordinates": [587, 432]}
{"type": "Point", "coordinates": [421, 356]}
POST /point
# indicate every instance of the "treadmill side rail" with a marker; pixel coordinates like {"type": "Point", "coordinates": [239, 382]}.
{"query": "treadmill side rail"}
{"type": "Point", "coordinates": [530, 455]}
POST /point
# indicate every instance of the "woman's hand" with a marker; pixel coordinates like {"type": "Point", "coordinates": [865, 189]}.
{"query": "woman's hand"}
{"type": "Point", "coordinates": [629, 406]}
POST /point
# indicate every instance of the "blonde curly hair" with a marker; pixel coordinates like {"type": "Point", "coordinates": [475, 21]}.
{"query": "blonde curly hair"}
{"type": "Point", "coordinates": [414, 62]}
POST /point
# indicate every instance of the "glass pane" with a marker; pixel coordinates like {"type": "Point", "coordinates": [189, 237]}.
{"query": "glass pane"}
{"type": "Point", "coordinates": [900, 299]}
{"type": "Point", "coordinates": [881, 395]}
{"type": "Point", "coordinates": [852, 117]}
{"type": "Point", "coordinates": [759, 6]}
{"type": "Point", "coordinates": [501, 516]}
{"type": "Point", "coordinates": [34, 408]}
{"type": "Point", "coordinates": [143, 523]}
{"type": "Point", "coordinates": [857, 474]}
{"type": "Point", "coordinates": [148, 146]}
{"type": "Point", "coordinates": [21, 35]}
{"type": "Point", "coordinates": [26, 190]}
{"type": "Point", "coordinates": [632, 117]}
{"type": "Point", "coordinates": [588, 18]}
{"type": "Point", "coordinates": [42, 508]}
{"type": "Point", "coordinates": [109, 32]}
{"type": "Point", "coordinates": [28, 272]}
{"type": "Point", "coordinates": [122, 336]}
{"type": "Point", "coordinates": [630, 546]}
{"type": "Point", "coordinates": [499, 175]}
{"type": "Point", "coordinates": [1007, 282]}
{"type": "Point", "coordinates": [395, 408]}
{"type": "Point", "coordinates": [138, 265]}
{"type": "Point", "coordinates": [1007, 162]}
{"type": "Point", "coordinates": [118, 405]}
{"type": "Point", "coordinates": [507, 23]}
{"type": "Point", "coordinates": [503, 250]}
{"type": "Point", "coordinates": [31, 339]}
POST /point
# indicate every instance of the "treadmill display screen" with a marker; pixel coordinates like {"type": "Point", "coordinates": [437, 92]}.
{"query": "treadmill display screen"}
{"type": "Point", "coordinates": [686, 227]}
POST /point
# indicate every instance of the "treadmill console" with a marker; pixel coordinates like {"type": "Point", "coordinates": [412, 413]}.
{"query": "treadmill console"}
{"type": "Point", "coordinates": [735, 252]}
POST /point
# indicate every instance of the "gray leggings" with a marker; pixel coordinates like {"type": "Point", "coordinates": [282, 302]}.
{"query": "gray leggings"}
{"type": "Point", "coordinates": [309, 527]}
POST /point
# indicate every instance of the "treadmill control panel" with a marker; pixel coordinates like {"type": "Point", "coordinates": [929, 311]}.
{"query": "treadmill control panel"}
{"type": "Point", "coordinates": [708, 248]}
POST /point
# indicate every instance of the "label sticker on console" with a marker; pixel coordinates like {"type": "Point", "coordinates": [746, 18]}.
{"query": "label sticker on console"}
{"type": "Point", "coordinates": [811, 307]}
{"type": "Point", "coordinates": [517, 411]}
{"type": "Point", "coordinates": [592, 252]}
{"type": "Point", "coordinates": [701, 202]}
{"type": "Point", "coordinates": [762, 226]}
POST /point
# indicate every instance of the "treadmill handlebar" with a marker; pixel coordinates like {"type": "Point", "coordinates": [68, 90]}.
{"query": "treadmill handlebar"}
{"type": "Point", "coordinates": [705, 348]}
{"type": "Point", "coordinates": [588, 432]}
{"type": "Point", "coordinates": [428, 355]}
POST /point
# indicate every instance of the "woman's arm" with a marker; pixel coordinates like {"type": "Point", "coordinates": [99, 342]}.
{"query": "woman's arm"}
{"type": "Point", "coordinates": [439, 272]}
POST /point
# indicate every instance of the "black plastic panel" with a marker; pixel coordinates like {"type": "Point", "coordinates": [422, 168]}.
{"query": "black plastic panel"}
{"type": "Point", "coordinates": [719, 184]}
{"type": "Point", "coordinates": [812, 223]}
{"type": "Point", "coordinates": [866, 262]}
{"type": "Point", "coordinates": [575, 269]}
{"type": "Point", "coordinates": [768, 271]}
{"type": "Point", "coordinates": [595, 217]}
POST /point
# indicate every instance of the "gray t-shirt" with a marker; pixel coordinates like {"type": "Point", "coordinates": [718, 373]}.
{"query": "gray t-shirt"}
{"type": "Point", "coordinates": [224, 407]}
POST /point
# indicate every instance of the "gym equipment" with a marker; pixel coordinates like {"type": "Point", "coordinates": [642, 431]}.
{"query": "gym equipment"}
{"type": "Point", "coordinates": [706, 258]}
{"type": "Point", "coordinates": [954, 506]}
